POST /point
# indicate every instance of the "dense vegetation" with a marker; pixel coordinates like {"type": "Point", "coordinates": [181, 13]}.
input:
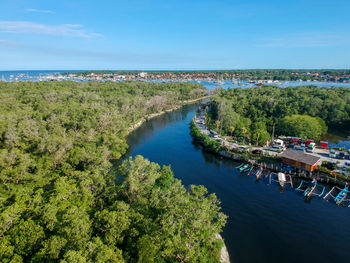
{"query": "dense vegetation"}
{"type": "Point", "coordinates": [60, 199]}
{"type": "Point", "coordinates": [303, 126]}
{"type": "Point", "coordinates": [209, 145]}
{"type": "Point", "coordinates": [252, 113]}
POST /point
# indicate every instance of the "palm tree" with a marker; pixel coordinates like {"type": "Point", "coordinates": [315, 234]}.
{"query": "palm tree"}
{"type": "Point", "coordinates": [232, 129]}
{"type": "Point", "coordinates": [217, 123]}
{"type": "Point", "coordinates": [244, 130]}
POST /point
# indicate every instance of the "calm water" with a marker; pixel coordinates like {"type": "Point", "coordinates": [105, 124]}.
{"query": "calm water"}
{"type": "Point", "coordinates": [264, 224]}
{"type": "Point", "coordinates": [31, 75]}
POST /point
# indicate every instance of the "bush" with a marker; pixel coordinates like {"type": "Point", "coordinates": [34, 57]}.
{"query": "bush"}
{"type": "Point", "coordinates": [208, 145]}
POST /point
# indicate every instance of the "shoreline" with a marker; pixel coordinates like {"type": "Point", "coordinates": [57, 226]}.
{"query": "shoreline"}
{"type": "Point", "coordinates": [272, 163]}
{"type": "Point", "coordinates": [224, 256]}
{"type": "Point", "coordinates": [150, 116]}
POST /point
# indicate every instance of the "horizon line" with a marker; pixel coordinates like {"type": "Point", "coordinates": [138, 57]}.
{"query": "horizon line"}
{"type": "Point", "coordinates": [81, 70]}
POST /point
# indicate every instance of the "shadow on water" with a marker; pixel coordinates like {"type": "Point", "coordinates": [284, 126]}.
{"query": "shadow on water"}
{"type": "Point", "coordinates": [265, 222]}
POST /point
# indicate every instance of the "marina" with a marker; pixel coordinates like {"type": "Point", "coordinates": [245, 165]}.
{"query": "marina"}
{"type": "Point", "coordinates": [209, 81]}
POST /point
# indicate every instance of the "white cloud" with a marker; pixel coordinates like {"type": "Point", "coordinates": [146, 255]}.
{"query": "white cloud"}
{"type": "Point", "coordinates": [305, 40]}
{"type": "Point", "coordinates": [33, 10]}
{"type": "Point", "coordinates": [23, 27]}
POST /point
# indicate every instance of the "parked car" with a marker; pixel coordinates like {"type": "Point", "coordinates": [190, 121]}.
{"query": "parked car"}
{"type": "Point", "coordinates": [303, 145]}
{"type": "Point", "coordinates": [243, 148]}
{"type": "Point", "coordinates": [332, 153]}
{"type": "Point", "coordinates": [346, 173]}
{"type": "Point", "coordinates": [341, 155]}
{"type": "Point", "coordinates": [291, 146]}
{"type": "Point", "coordinates": [275, 148]}
{"type": "Point", "coordinates": [300, 149]}
{"type": "Point", "coordinates": [311, 147]}
{"type": "Point", "coordinates": [257, 151]}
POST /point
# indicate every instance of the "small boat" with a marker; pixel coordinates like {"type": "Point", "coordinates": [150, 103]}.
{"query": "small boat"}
{"type": "Point", "coordinates": [258, 172]}
{"type": "Point", "coordinates": [312, 188]}
{"type": "Point", "coordinates": [265, 173]}
{"type": "Point", "coordinates": [281, 178]}
{"type": "Point", "coordinates": [338, 195]}
{"type": "Point", "coordinates": [239, 166]}
{"type": "Point", "coordinates": [245, 167]}
{"type": "Point", "coordinates": [341, 196]}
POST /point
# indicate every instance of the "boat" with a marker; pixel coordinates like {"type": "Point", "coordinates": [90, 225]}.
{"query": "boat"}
{"type": "Point", "coordinates": [266, 173]}
{"type": "Point", "coordinates": [312, 188]}
{"type": "Point", "coordinates": [239, 166]}
{"type": "Point", "coordinates": [258, 172]}
{"type": "Point", "coordinates": [244, 167]}
{"type": "Point", "coordinates": [281, 178]}
{"type": "Point", "coordinates": [340, 197]}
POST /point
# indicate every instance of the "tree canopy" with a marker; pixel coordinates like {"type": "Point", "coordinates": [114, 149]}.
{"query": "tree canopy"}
{"type": "Point", "coordinates": [246, 109]}
{"type": "Point", "coordinates": [303, 126]}
{"type": "Point", "coordinates": [62, 201]}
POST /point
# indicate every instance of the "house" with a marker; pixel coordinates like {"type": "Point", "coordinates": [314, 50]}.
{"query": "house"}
{"type": "Point", "coordinates": [300, 160]}
{"type": "Point", "coordinates": [143, 74]}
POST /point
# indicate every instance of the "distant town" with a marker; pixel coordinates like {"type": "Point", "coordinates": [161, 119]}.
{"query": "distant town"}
{"type": "Point", "coordinates": [237, 77]}
{"type": "Point", "coordinates": [255, 76]}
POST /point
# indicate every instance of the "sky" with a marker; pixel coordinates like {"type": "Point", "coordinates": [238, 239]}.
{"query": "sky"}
{"type": "Point", "coordinates": [174, 35]}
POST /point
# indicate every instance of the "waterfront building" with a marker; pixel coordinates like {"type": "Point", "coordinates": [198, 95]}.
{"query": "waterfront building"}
{"type": "Point", "coordinates": [300, 160]}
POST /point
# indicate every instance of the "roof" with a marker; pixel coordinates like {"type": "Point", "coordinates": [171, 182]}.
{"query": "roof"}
{"type": "Point", "coordinates": [300, 157]}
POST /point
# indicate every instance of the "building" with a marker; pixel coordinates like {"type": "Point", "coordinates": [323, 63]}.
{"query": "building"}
{"type": "Point", "coordinates": [143, 74]}
{"type": "Point", "coordinates": [300, 160]}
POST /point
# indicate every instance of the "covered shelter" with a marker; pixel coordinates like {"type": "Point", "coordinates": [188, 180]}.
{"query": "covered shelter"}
{"type": "Point", "coordinates": [301, 160]}
{"type": "Point", "coordinates": [278, 142]}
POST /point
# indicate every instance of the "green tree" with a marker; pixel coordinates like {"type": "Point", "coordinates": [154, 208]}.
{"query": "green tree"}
{"type": "Point", "coordinates": [232, 129]}
{"type": "Point", "coordinates": [217, 124]}
{"type": "Point", "coordinates": [61, 199]}
{"type": "Point", "coordinates": [302, 126]}
{"type": "Point", "coordinates": [259, 133]}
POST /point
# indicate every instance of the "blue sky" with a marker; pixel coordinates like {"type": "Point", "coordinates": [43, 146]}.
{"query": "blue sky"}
{"type": "Point", "coordinates": [141, 34]}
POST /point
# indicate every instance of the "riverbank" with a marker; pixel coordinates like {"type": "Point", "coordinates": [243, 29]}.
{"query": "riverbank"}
{"type": "Point", "coordinates": [273, 163]}
{"type": "Point", "coordinates": [150, 116]}
{"type": "Point", "coordinates": [224, 256]}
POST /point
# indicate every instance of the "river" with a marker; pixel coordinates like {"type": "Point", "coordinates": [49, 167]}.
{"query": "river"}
{"type": "Point", "coordinates": [264, 223]}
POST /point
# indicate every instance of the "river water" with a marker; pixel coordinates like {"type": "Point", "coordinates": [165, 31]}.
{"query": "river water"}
{"type": "Point", "coordinates": [264, 223]}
